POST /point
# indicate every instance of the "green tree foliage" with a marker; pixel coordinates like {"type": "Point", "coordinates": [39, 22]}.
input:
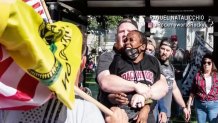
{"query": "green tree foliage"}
{"type": "Point", "coordinates": [112, 21]}
{"type": "Point", "coordinates": [102, 23]}
{"type": "Point", "coordinates": [92, 23]}
{"type": "Point", "coordinates": [99, 26]}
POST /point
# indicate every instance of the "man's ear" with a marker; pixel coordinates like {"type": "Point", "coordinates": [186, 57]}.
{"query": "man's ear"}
{"type": "Point", "coordinates": [143, 47]}
{"type": "Point", "coordinates": [171, 52]}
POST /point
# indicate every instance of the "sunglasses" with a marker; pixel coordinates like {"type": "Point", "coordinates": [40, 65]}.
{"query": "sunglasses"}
{"type": "Point", "coordinates": [209, 63]}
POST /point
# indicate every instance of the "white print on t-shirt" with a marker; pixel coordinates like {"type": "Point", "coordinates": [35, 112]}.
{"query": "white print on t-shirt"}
{"type": "Point", "coordinates": [132, 75]}
{"type": "Point", "coordinates": [168, 73]}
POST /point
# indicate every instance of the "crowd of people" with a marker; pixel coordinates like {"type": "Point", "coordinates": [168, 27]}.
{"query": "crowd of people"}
{"type": "Point", "coordinates": [133, 61]}
{"type": "Point", "coordinates": [137, 81]}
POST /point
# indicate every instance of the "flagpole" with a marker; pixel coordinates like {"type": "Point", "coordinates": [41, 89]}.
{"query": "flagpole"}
{"type": "Point", "coordinates": [91, 99]}
{"type": "Point", "coordinates": [46, 11]}
{"type": "Point", "coordinates": [77, 90]}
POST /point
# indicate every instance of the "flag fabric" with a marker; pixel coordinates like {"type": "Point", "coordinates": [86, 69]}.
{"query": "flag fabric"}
{"type": "Point", "coordinates": [16, 88]}
{"type": "Point", "coordinates": [37, 6]}
{"type": "Point", "coordinates": [198, 50]}
{"type": "Point", "coordinates": [24, 37]}
{"type": "Point", "coordinates": [14, 82]}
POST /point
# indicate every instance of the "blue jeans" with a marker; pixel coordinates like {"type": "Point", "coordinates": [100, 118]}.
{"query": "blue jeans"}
{"type": "Point", "coordinates": [156, 112]}
{"type": "Point", "coordinates": [206, 110]}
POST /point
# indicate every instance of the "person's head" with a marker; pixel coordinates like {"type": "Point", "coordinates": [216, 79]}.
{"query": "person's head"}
{"type": "Point", "coordinates": [123, 29]}
{"type": "Point", "coordinates": [165, 50]}
{"type": "Point", "coordinates": [135, 44]}
{"type": "Point", "coordinates": [151, 46]}
{"type": "Point", "coordinates": [174, 40]}
{"type": "Point", "coordinates": [207, 64]}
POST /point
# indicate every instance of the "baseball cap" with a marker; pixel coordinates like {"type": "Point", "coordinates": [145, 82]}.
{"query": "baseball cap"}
{"type": "Point", "coordinates": [167, 43]}
{"type": "Point", "coordinates": [128, 20]}
{"type": "Point", "coordinates": [152, 41]}
{"type": "Point", "coordinates": [174, 38]}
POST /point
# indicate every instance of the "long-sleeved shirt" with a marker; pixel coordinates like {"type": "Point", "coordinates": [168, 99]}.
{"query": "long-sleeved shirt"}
{"type": "Point", "coordinates": [199, 87]}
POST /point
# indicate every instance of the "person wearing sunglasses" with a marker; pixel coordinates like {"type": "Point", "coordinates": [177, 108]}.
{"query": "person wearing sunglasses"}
{"type": "Point", "coordinates": [205, 91]}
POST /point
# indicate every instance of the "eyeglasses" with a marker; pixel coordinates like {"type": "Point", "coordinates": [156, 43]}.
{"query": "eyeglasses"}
{"type": "Point", "coordinates": [209, 63]}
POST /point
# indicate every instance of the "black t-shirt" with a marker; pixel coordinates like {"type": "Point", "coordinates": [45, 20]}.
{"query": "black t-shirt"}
{"type": "Point", "coordinates": [128, 70]}
{"type": "Point", "coordinates": [104, 62]}
{"type": "Point", "coordinates": [147, 71]}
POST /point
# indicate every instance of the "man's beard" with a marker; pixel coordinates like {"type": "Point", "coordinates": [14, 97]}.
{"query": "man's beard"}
{"type": "Point", "coordinates": [164, 58]}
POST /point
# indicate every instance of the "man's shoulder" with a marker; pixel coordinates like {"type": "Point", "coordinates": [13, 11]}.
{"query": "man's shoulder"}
{"type": "Point", "coordinates": [104, 61]}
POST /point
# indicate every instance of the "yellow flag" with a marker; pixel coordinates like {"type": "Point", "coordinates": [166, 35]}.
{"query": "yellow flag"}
{"type": "Point", "coordinates": [49, 52]}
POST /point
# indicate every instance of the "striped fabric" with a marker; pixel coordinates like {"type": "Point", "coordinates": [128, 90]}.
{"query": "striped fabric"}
{"type": "Point", "coordinates": [16, 86]}
{"type": "Point", "coordinates": [51, 112]}
{"type": "Point", "coordinates": [18, 90]}
{"type": "Point", "coordinates": [37, 5]}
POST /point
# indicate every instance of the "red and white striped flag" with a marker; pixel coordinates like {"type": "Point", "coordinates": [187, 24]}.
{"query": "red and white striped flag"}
{"type": "Point", "coordinates": [37, 6]}
{"type": "Point", "coordinates": [18, 90]}
{"type": "Point", "coordinates": [16, 86]}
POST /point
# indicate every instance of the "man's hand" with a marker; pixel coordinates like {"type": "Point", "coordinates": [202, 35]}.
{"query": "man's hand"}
{"type": "Point", "coordinates": [119, 116]}
{"type": "Point", "coordinates": [162, 117]}
{"type": "Point", "coordinates": [187, 113]}
{"type": "Point", "coordinates": [137, 101]}
{"type": "Point", "coordinates": [119, 98]}
{"type": "Point", "coordinates": [143, 89]}
{"type": "Point", "coordinates": [143, 114]}
{"type": "Point", "coordinates": [189, 109]}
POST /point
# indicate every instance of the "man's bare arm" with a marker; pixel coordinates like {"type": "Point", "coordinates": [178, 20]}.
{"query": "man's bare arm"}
{"type": "Point", "coordinates": [159, 89]}
{"type": "Point", "coordinates": [177, 95]}
{"type": "Point", "coordinates": [115, 84]}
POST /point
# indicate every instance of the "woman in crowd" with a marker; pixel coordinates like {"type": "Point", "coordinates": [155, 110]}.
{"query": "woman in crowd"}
{"type": "Point", "coordinates": [151, 46]}
{"type": "Point", "coordinates": [205, 91]}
